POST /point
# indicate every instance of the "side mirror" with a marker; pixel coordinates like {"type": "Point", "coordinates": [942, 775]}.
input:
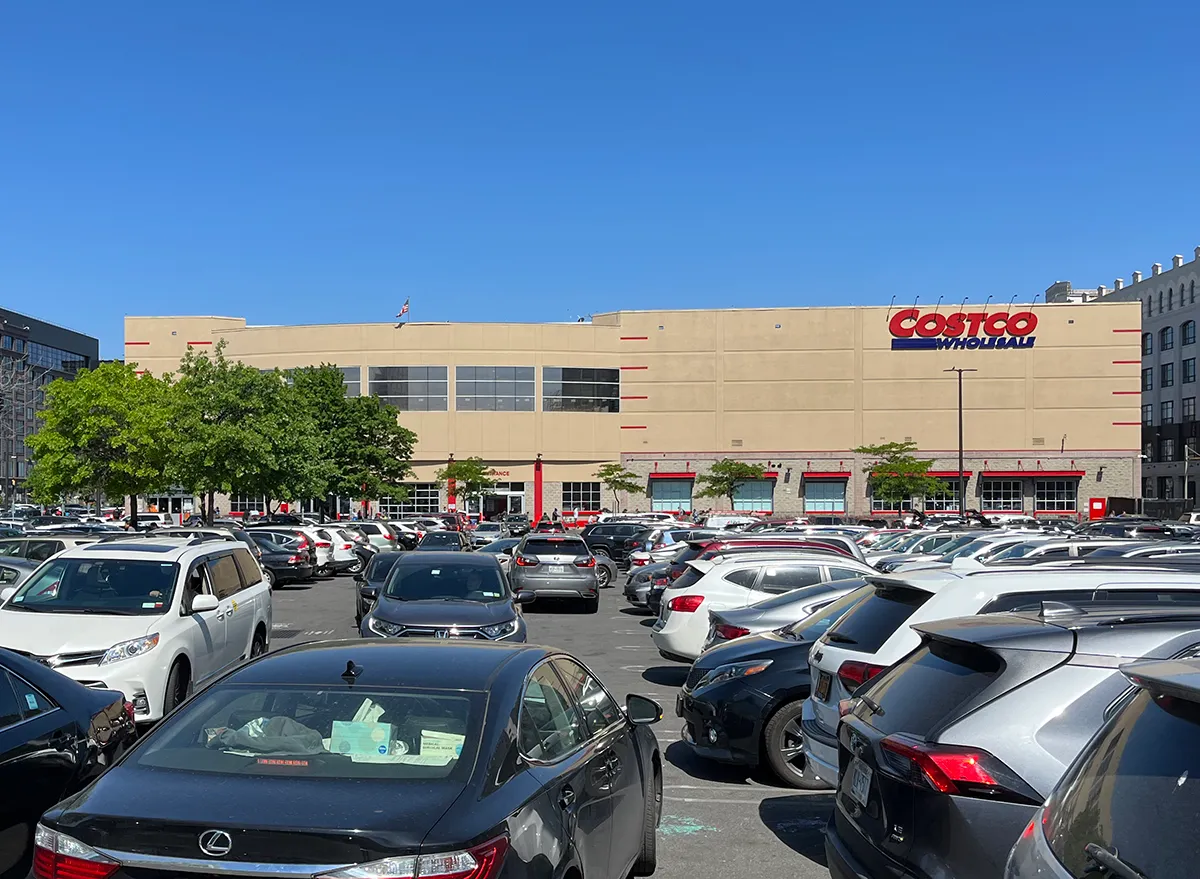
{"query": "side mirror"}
{"type": "Point", "coordinates": [526, 596]}
{"type": "Point", "coordinates": [9, 591]}
{"type": "Point", "coordinates": [358, 578]}
{"type": "Point", "coordinates": [203, 603]}
{"type": "Point", "coordinates": [642, 711]}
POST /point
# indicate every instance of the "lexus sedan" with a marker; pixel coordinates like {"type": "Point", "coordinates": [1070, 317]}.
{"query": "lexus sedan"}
{"type": "Point", "coordinates": [359, 759]}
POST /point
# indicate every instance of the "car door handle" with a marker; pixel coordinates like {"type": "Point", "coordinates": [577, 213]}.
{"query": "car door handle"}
{"type": "Point", "coordinates": [566, 799]}
{"type": "Point", "coordinates": [221, 615]}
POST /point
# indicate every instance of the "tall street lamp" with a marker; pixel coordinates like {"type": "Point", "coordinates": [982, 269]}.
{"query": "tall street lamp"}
{"type": "Point", "coordinates": [1188, 454]}
{"type": "Point", "coordinates": [962, 479]}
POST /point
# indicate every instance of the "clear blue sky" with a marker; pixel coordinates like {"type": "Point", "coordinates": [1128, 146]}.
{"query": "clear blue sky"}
{"type": "Point", "coordinates": [301, 162]}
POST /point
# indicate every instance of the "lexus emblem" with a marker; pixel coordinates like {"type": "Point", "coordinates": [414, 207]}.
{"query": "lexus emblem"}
{"type": "Point", "coordinates": [441, 633]}
{"type": "Point", "coordinates": [216, 843]}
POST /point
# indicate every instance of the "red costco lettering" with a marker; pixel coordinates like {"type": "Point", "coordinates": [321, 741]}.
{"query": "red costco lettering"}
{"type": "Point", "coordinates": [910, 321]}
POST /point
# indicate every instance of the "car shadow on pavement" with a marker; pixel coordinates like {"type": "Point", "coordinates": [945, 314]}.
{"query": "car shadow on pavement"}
{"type": "Point", "coordinates": [646, 623]}
{"type": "Point", "coordinates": [799, 822]}
{"type": "Point", "coordinates": [637, 612]}
{"type": "Point", "coordinates": [683, 758]}
{"type": "Point", "coordinates": [666, 675]}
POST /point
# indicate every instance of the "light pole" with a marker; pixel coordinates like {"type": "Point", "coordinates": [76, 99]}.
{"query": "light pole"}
{"type": "Point", "coordinates": [1187, 456]}
{"type": "Point", "coordinates": [962, 479]}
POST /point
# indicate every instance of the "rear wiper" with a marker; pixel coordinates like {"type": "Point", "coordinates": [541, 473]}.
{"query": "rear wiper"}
{"type": "Point", "coordinates": [839, 638]}
{"type": "Point", "coordinates": [1108, 861]}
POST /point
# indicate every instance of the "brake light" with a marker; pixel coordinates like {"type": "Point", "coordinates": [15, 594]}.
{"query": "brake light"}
{"type": "Point", "coordinates": [524, 561]}
{"type": "Point", "coordinates": [637, 563]}
{"type": "Point", "coordinates": [481, 862]}
{"type": "Point", "coordinates": [942, 768]}
{"type": "Point", "coordinates": [58, 856]}
{"type": "Point", "coordinates": [323, 545]}
{"type": "Point", "coordinates": [686, 603]}
{"type": "Point", "coordinates": [854, 674]}
{"type": "Point", "coordinates": [730, 632]}
{"type": "Point", "coordinates": [347, 546]}
{"type": "Point", "coordinates": [589, 562]}
{"type": "Point", "coordinates": [295, 560]}
{"type": "Point", "coordinates": [391, 537]}
{"type": "Point", "coordinates": [303, 543]}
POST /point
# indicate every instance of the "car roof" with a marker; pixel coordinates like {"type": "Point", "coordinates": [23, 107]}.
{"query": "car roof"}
{"type": "Point", "coordinates": [769, 557]}
{"type": "Point", "coordinates": [420, 663]}
{"type": "Point", "coordinates": [161, 549]}
{"type": "Point", "coordinates": [428, 559]}
{"type": "Point", "coordinates": [1000, 581]}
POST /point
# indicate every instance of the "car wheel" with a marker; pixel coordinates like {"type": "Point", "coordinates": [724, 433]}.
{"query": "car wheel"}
{"type": "Point", "coordinates": [268, 578]}
{"type": "Point", "coordinates": [604, 574]}
{"type": "Point", "coordinates": [357, 567]}
{"type": "Point", "coordinates": [179, 686]}
{"type": "Point", "coordinates": [259, 645]}
{"type": "Point", "coordinates": [592, 605]}
{"type": "Point", "coordinates": [647, 860]}
{"type": "Point", "coordinates": [784, 746]}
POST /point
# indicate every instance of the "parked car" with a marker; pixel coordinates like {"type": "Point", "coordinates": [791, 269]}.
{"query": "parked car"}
{"type": "Point", "coordinates": [778, 611]}
{"type": "Point", "coordinates": [380, 534]}
{"type": "Point", "coordinates": [15, 571]}
{"type": "Point", "coordinates": [486, 532]}
{"type": "Point", "coordinates": [408, 534]}
{"type": "Point", "coordinates": [445, 541]}
{"type": "Point", "coordinates": [1048, 547]}
{"type": "Point", "coordinates": [148, 521]}
{"type": "Point", "coordinates": [321, 557]}
{"type": "Point", "coordinates": [878, 631]}
{"type": "Point", "coordinates": [608, 538]}
{"type": "Point", "coordinates": [982, 548]}
{"type": "Point", "coordinates": [1123, 809]}
{"type": "Point", "coordinates": [446, 595]}
{"type": "Point", "coordinates": [216, 533]}
{"type": "Point", "coordinates": [343, 558]}
{"type": "Point", "coordinates": [545, 526]}
{"type": "Point", "coordinates": [468, 752]}
{"type": "Point", "coordinates": [736, 582]}
{"type": "Point", "coordinates": [730, 523]}
{"type": "Point", "coordinates": [970, 732]}
{"type": "Point", "coordinates": [282, 559]}
{"type": "Point", "coordinates": [38, 549]}
{"type": "Point", "coordinates": [742, 700]}
{"type": "Point", "coordinates": [56, 737]}
{"type": "Point", "coordinates": [501, 550]}
{"type": "Point", "coordinates": [918, 543]}
{"type": "Point", "coordinates": [517, 524]}
{"type": "Point", "coordinates": [556, 567]}
{"type": "Point", "coordinates": [666, 542]}
{"type": "Point", "coordinates": [370, 581]}
{"type": "Point", "coordinates": [151, 620]}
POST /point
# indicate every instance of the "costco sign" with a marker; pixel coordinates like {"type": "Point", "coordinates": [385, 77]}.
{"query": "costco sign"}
{"type": "Point", "coordinates": [931, 331]}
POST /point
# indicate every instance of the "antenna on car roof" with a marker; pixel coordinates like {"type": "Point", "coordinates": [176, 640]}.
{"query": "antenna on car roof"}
{"type": "Point", "coordinates": [350, 675]}
{"type": "Point", "coordinates": [1058, 609]}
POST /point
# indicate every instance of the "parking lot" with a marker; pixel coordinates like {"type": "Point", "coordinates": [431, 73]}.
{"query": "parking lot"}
{"type": "Point", "coordinates": [715, 819]}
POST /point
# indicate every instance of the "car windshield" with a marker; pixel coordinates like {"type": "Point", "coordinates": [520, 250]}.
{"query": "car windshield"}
{"type": "Point", "coordinates": [907, 543]}
{"type": "Point", "coordinates": [488, 526]}
{"type": "Point", "coordinates": [325, 732]}
{"type": "Point", "coordinates": [554, 546]}
{"type": "Point", "coordinates": [441, 538]}
{"type": "Point", "coordinates": [1016, 551]}
{"type": "Point", "coordinates": [498, 546]}
{"type": "Point", "coordinates": [888, 541]}
{"type": "Point", "coordinates": [956, 543]}
{"type": "Point", "coordinates": [966, 550]}
{"type": "Point", "coordinates": [448, 581]}
{"type": "Point", "coordinates": [381, 566]}
{"type": "Point", "coordinates": [120, 587]}
{"type": "Point", "coordinates": [815, 625]}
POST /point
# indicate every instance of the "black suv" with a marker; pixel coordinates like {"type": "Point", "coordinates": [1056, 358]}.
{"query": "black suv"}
{"type": "Point", "coordinates": [609, 538]}
{"type": "Point", "coordinates": [517, 524]}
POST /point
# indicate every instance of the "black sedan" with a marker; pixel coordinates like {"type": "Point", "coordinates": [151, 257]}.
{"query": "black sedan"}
{"type": "Point", "coordinates": [282, 559]}
{"type": "Point", "coordinates": [445, 541]}
{"type": "Point", "coordinates": [742, 700]}
{"type": "Point", "coordinates": [370, 581]}
{"type": "Point", "coordinates": [446, 595]}
{"type": "Point", "coordinates": [56, 736]}
{"type": "Point", "coordinates": [380, 759]}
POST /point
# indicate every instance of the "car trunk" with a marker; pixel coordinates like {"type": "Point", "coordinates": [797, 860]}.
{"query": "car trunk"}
{"type": "Point", "coordinates": [556, 557]}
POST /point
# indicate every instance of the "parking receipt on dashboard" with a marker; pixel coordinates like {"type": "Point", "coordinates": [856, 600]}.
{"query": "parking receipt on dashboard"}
{"type": "Point", "coordinates": [441, 745]}
{"type": "Point", "coordinates": [360, 738]}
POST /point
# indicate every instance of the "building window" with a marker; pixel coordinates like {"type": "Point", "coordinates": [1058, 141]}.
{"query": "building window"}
{"type": "Point", "coordinates": [247, 504]}
{"type": "Point", "coordinates": [351, 379]}
{"type": "Point", "coordinates": [1189, 370]}
{"type": "Point", "coordinates": [573, 389]}
{"type": "Point", "coordinates": [879, 505]}
{"type": "Point", "coordinates": [56, 359]}
{"type": "Point", "coordinates": [493, 389]}
{"type": "Point", "coordinates": [1187, 332]}
{"type": "Point", "coordinates": [423, 497]}
{"type": "Point", "coordinates": [1147, 343]}
{"type": "Point", "coordinates": [1166, 449]}
{"type": "Point", "coordinates": [1167, 410]}
{"type": "Point", "coordinates": [1147, 487]}
{"type": "Point", "coordinates": [1167, 375]}
{"type": "Point", "coordinates": [670, 495]}
{"type": "Point", "coordinates": [1149, 307]}
{"type": "Point", "coordinates": [1001, 495]}
{"type": "Point", "coordinates": [946, 499]}
{"type": "Point", "coordinates": [1192, 294]}
{"type": "Point", "coordinates": [1170, 298]}
{"type": "Point", "coordinates": [825, 496]}
{"type": "Point", "coordinates": [1166, 339]}
{"type": "Point", "coordinates": [1147, 413]}
{"type": "Point", "coordinates": [1055, 495]}
{"type": "Point", "coordinates": [1148, 450]}
{"type": "Point", "coordinates": [1189, 409]}
{"type": "Point", "coordinates": [410, 388]}
{"type": "Point", "coordinates": [1148, 379]}
{"type": "Point", "coordinates": [584, 496]}
{"type": "Point", "coordinates": [754, 496]}
{"type": "Point", "coordinates": [1160, 301]}
{"type": "Point", "coordinates": [1166, 487]}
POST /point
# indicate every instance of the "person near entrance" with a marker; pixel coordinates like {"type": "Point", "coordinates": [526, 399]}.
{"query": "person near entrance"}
{"type": "Point", "coordinates": [554, 516]}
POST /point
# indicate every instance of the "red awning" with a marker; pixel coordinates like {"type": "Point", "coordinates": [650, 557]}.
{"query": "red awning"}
{"type": "Point", "coordinates": [946, 474]}
{"type": "Point", "coordinates": [826, 474]}
{"type": "Point", "coordinates": [770, 474]}
{"type": "Point", "coordinates": [1032, 474]}
{"type": "Point", "coordinates": [658, 474]}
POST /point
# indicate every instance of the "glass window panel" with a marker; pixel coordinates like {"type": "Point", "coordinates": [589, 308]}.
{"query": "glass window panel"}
{"type": "Point", "coordinates": [524, 404]}
{"type": "Point", "coordinates": [485, 372]}
{"type": "Point", "coordinates": [464, 373]}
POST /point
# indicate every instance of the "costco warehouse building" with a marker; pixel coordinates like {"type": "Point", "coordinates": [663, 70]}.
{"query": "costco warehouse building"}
{"type": "Point", "coordinates": [1051, 414]}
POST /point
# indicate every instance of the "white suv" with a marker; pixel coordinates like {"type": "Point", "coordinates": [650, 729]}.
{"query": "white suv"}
{"type": "Point", "coordinates": [152, 618]}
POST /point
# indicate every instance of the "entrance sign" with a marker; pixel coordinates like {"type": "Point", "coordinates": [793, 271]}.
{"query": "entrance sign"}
{"type": "Point", "coordinates": [933, 331]}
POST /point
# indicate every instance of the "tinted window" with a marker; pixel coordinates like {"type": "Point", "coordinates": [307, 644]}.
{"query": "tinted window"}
{"type": "Point", "coordinates": [40, 550]}
{"type": "Point", "coordinates": [8, 575]}
{"type": "Point", "coordinates": [449, 580]}
{"type": "Point", "coordinates": [1133, 790]}
{"type": "Point", "coordinates": [247, 567]}
{"type": "Point", "coordinates": [10, 709]}
{"type": "Point", "coordinates": [550, 726]}
{"type": "Point", "coordinates": [600, 710]}
{"type": "Point", "coordinates": [926, 687]}
{"type": "Point", "coordinates": [31, 701]}
{"type": "Point", "coordinates": [744, 577]}
{"type": "Point", "coordinates": [441, 538]}
{"type": "Point", "coordinates": [560, 546]}
{"type": "Point", "coordinates": [801, 595]}
{"type": "Point", "coordinates": [866, 626]}
{"type": "Point", "coordinates": [224, 575]}
{"type": "Point", "coordinates": [688, 578]}
{"type": "Point", "coordinates": [784, 578]}
{"type": "Point", "coordinates": [814, 626]}
{"type": "Point", "coordinates": [112, 586]}
{"type": "Point", "coordinates": [843, 574]}
{"type": "Point", "coordinates": [381, 566]}
{"type": "Point", "coordinates": [13, 548]}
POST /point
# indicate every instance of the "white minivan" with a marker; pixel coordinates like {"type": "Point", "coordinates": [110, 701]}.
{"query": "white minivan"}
{"type": "Point", "coordinates": [153, 618]}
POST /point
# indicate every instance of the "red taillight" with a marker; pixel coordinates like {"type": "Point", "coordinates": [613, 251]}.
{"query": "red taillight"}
{"type": "Point", "coordinates": [854, 674]}
{"type": "Point", "coordinates": [347, 546]}
{"type": "Point", "coordinates": [524, 561]}
{"type": "Point", "coordinates": [943, 768]}
{"type": "Point", "coordinates": [730, 632]}
{"type": "Point", "coordinates": [303, 544]}
{"type": "Point", "coordinates": [58, 856]}
{"type": "Point", "coordinates": [637, 563]}
{"type": "Point", "coordinates": [481, 862]}
{"type": "Point", "coordinates": [391, 537]}
{"type": "Point", "coordinates": [589, 562]}
{"type": "Point", "coordinates": [686, 603]}
{"type": "Point", "coordinates": [294, 560]}
{"type": "Point", "coordinates": [321, 544]}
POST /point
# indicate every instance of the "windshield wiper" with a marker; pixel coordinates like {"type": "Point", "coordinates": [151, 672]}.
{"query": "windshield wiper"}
{"type": "Point", "coordinates": [839, 638]}
{"type": "Point", "coordinates": [1107, 860]}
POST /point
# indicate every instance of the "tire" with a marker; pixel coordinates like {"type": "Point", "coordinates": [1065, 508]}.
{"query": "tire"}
{"type": "Point", "coordinates": [357, 567]}
{"type": "Point", "coordinates": [258, 646]}
{"type": "Point", "coordinates": [647, 859]}
{"type": "Point", "coordinates": [269, 578]}
{"type": "Point", "coordinates": [591, 605]}
{"type": "Point", "coordinates": [604, 574]}
{"type": "Point", "coordinates": [784, 748]}
{"type": "Point", "coordinates": [179, 687]}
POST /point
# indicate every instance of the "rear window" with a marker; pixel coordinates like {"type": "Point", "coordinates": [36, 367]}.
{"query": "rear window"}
{"type": "Point", "coordinates": [561, 546]}
{"type": "Point", "coordinates": [817, 624]}
{"type": "Point", "coordinates": [926, 688]}
{"type": "Point", "coordinates": [806, 593]}
{"type": "Point", "coordinates": [1133, 790]}
{"type": "Point", "coordinates": [864, 628]}
{"type": "Point", "coordinates": [688, 578]}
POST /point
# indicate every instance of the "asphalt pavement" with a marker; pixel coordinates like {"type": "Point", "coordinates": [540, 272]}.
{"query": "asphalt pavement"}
{"type": "Point", "coordinates": [718, 821]}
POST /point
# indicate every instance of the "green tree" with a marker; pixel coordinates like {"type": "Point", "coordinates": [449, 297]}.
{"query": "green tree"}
{"type": "Point", "coordinates": [724, 476]}
{"type": "Point", "coordinates": [896, 474]}
{"type": "Point", "coordinates": [471, 477]}
{"type": "Point", "coordinates": [108, 430]}
{"type": "Point", "coordinates": [366, 450]}
{"type": "Point", "coordinates": [617, 479]}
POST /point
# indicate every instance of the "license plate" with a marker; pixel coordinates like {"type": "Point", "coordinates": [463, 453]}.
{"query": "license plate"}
{"type": "Point", "coordinates": [558, 569]}
{"type": "Point", "coordinates": [860, 782]}
{"type": "Point", "coordinates": [823, 681]}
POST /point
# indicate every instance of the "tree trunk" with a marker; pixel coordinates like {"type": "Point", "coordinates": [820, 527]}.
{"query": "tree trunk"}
{"type": "Point", "coordinates": [133, 519]}
{"type": "Point", "coordinates": [208, 511]}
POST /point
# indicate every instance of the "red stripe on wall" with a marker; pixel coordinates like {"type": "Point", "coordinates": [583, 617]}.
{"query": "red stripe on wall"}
{"type": "Point", "coordinates": [1126, 331]}
{"type": "Point", "coordinates": [633, 427]}
{"type": "Point", "coordinates": [631, 397]}
{"type": "Point", "coordinates": [1119, 362]}
{"type": "Point", "coordinates": [1124, 393]}
{"type": "Point", "coordinates": [137, 343]}
{"type": "Point", "coordinates": [635, 367]}
{"type": "Point", "coordinates": [635, 338]}
{"type": "Point", "coordinates": [200, 343]}
{"type": "Point", "coordinates": [1127, 424]}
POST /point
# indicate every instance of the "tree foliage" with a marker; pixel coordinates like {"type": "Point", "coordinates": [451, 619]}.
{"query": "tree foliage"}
{"type": "Point", "coordinates": [896, 474]}
{"type": "Point", "coordinates": [471, 476]}
{"type": "Point", "coordinates": [108, 429]}
{"type": "Point", "coordinates": [724, 476]}
{"type": "Point", "coordinates": [619, 480]}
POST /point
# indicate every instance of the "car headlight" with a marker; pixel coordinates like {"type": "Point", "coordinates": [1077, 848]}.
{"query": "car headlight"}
{"type": "Point", "coordinates": [728, 672]}
{"type": "Point", "coordinates": [500, 630]}
{"type": "Point", "coordinates": [130, 649]}
{"type": "Point", "coordinates": [383, 627]}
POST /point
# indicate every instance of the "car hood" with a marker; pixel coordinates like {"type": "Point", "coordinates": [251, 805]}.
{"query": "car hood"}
{"type": "Point", "coordinates": [48, 634]}
{"type": "Point", "coordinates": [748, 648]}
{"type": "Point", "coordinates": [443, 613]}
